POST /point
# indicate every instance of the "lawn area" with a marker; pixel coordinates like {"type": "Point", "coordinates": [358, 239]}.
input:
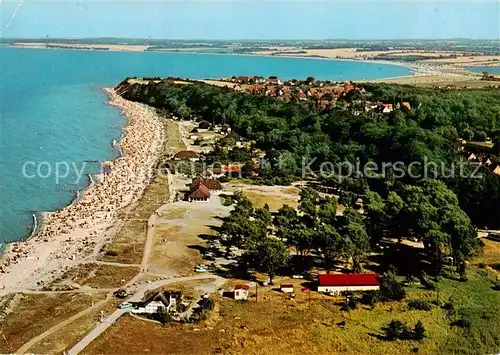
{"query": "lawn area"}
{"type": "Point", "coordinates": [100, 276]}
{"type": "Point", "coordinates": [135, 336]}
{"type": "Point", "coordinates": [274, 196]}
{"type": "Point", "coordinates": [34, 314]}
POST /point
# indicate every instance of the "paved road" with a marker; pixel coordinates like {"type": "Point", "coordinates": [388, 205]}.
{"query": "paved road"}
{"type": "Point", "coordinates": [82, 344]}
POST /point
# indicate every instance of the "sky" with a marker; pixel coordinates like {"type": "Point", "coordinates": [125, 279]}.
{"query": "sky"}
{"type": "Point", "coordinates": [250, 19]}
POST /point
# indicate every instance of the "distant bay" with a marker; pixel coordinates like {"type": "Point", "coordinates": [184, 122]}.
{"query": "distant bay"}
{"type": "Point", "coordinates": [488, 69]}
{"type": "Point", "coordinates": [53, 111]}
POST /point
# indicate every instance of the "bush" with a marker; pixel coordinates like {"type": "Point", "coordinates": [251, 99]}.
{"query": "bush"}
{"type": "Point", "coordinates": [427, 282]}
{"type": "Point", "coordinates": [410, 280]}
{"type": "Point", "coordinates": [390, 288]}
{"type": "Point", "coordinates": [399, 330]}
{"type": "Point", "coordinates": [111, 253]}
{"type": "Point", "coordinates": [162, 315]}
{"type": "Point", "coordinates": [352, 302]}
{"type": "Point", "coordinates": [496, 285]}
{"type": "Point", "coordinates": [370, 298]}
{"type": "Point", "coordinates": [226, 201]}
{"type": "Point", "coordinates": [204, 124]}
{"type": "Point", "coordinates": [420, 305]}
{"type": "Point", "coordinates": [419, 331]}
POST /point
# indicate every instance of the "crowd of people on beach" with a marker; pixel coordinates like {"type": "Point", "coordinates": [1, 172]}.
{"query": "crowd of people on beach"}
{"type": "Point", "coordinates": [97, 208]}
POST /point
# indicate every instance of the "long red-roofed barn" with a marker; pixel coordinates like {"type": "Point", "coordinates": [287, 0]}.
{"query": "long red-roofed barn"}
{"type": "Point", "coordinates": [338, 283]}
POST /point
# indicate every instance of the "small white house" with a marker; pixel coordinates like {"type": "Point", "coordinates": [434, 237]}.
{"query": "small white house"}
{"type": "Point", "coordinates": [339, 283]}
{"type": "Point", "coordinates": [286, 288]}
{"type": "Point", "coordinates": [156, 300]}
{"type": "Point", "coordinates": [241, 292]}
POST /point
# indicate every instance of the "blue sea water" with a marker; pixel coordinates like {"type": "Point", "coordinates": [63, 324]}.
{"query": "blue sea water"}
{"type": "Point", "coordinates": [491, 69]}
{"type": "Point", "coordinates": [53, 112]}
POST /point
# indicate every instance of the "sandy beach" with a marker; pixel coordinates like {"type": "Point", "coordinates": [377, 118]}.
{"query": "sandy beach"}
{"type": "Point", "coordinates": [76, 233]}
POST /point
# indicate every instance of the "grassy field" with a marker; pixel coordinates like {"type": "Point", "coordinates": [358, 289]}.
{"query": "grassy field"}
{"type": "Point", "coordinates": [316, 324]}
{"type": "Point", "coordinates": [274, 196]}
{"type": "Point", "coordinates": [63, 340]}
{"type": "Point", "coordinates": [100, 276]}
{"type": "Point", "coordinates": [34, 314]}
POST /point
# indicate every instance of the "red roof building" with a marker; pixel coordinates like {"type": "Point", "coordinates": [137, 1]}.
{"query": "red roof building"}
{"type": "Point", "coordinates": [406, 104]}
{"type": "Point", "coordinates": [338, 283]}
{"type": "Point", "coordinates": [199, 193]}
{"type": "Point", "coordinates": [211, 184]}
{"type": "Point", "coordinates": [241, 292]}
{"type": "Point", "coordinates": [231, 168]}
{"type": "Point", "coordinates": [186, 154]}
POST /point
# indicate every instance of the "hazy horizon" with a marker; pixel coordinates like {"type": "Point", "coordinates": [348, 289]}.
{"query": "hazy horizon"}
{"type": "Point", "coordinates": [251, 20]}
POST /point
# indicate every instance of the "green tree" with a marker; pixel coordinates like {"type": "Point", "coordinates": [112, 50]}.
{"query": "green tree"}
{"type": "Point", "coordinates": [269, 255]}
{"type": "Point", "coordinates": [263, 214]}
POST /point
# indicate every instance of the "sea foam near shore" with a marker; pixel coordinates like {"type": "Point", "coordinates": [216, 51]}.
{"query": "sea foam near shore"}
{"type": "Point", "coordinates": [76, 232]}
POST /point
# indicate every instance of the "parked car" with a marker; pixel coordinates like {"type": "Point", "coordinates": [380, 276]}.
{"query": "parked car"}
{"type": "Point", "coordinates": [200, 268]}
{"type": "Point", "coordinates": [125, 305]}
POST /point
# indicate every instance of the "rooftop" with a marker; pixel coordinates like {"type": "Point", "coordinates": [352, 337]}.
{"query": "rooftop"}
{"type": "Point", "coordinates": [348, 279]}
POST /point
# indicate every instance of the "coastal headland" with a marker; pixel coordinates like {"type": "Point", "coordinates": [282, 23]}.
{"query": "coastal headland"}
{"type": "Point", "coordinates": [76, 233]}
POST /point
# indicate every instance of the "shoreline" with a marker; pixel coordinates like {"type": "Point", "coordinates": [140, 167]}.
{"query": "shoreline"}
{"type": "Point", "coordinates": [75, 233]}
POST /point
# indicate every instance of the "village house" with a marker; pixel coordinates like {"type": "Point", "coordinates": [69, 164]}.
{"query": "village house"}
{"type": "Point", "coordinates": [231, 170]}
{"type": "Point", "coordinates": [300, 95]}
{"type": "Point", "coordinates": [241, 292]}
{"type": "Point", "coordinates": [286, 288]}
{"type": "Point", "coordinates": [187, 155]}
{"type": "Point", "coordinates": [404, 104]}
{"type": "Point", "coordinates": [274, 81]}
{"type": "Point", "coordinates": [213, 185]}
{"type": "Point", "coordinates": [152, 301]}
{"type": "Point", "coordinates": [386, 108]}
{"type": "Point", "coordinates": [339, 283]}
{"type": "Point", "coordinates": [255, 89]}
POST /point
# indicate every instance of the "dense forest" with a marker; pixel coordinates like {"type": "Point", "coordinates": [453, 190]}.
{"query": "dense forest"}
{"type": "Point", "coordinates": [292, 133]}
